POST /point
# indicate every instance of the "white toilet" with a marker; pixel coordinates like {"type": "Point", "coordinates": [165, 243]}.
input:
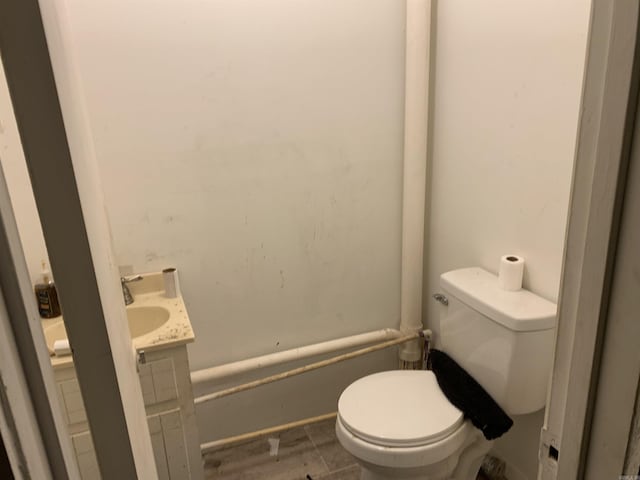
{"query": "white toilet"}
{"type": "Point", "coordinates": [399, 424]}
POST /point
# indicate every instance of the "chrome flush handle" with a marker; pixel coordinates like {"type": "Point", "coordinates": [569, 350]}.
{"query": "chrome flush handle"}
{"type": "Point", "coordinates": [441, 298]}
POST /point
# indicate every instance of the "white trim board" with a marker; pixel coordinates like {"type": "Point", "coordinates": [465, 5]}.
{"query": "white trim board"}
{"type": "Point", "coordinates": [18, 424]}
{"type": "Point", "coordinates": [632, 460]}
{"type": "Point", "coordinates": [32, 424]}
{"type": "Point", "coordinates": [619, 368]}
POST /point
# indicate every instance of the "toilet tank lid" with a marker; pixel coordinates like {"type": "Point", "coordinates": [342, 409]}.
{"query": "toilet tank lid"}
{"type": "Point", "coordinates": [521, 311]}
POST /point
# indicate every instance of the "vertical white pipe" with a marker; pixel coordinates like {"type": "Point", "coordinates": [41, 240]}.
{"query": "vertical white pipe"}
{"type": "Point", "coordinates": [416, 116]}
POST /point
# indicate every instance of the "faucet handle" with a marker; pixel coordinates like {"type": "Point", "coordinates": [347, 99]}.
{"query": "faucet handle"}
{"type": "Point", "coordinates": [126, 293]}
{"type": "Point", "coordinates": [134, 278]}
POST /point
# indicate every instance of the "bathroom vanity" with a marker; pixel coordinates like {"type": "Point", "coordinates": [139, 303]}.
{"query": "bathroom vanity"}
{"type": "Point", "coordinates": [160, 330]}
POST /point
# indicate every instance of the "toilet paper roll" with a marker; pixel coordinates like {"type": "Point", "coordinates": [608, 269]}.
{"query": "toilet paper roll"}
{"type": "Point", "coordinates": [510, 273]}
{"type": "Point", "coordinates": [61, 347]}
{"type": "Point", "coordinates": [171, 282]}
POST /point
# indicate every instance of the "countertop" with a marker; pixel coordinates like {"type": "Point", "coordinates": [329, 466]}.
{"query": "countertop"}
{"type": "Point", "coordinates": [148, 292]}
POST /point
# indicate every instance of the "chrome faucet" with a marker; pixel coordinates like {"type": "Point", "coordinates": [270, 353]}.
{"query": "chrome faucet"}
{"type": "Point", "coordinates": [126, 293]}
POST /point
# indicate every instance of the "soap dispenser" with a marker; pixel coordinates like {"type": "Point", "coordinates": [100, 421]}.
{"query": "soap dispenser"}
{"type": "Point", "coordinates": [47, 295]}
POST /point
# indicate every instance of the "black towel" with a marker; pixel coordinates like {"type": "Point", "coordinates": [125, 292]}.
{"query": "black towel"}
{"type": "Point", "coordinates": [468, 395]}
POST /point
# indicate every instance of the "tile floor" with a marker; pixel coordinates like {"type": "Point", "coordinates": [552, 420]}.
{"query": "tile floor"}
{"type": "Point", "coordinates": [306, 452]}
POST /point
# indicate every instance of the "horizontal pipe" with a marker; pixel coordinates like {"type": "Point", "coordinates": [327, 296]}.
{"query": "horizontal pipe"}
{"type": "Point", "coordinates": [307, 368]}
{"type": "Point", "coordinates": [216, 444]}
{"type": "Point", "coordinates": [255, 363]}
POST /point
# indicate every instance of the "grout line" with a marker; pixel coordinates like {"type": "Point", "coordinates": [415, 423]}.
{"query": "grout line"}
{"type": "Point", "coordinates": [324, 462]}
{"type": "Point", "coordinates": [306, 432]}
{"type": "Point", "coordinates": [211, 471]}
{"type": "Point", "coordinates": [344, 468]}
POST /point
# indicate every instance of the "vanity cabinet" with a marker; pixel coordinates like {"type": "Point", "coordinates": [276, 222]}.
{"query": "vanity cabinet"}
{"type": "Point", "coordinates": [168, 398]}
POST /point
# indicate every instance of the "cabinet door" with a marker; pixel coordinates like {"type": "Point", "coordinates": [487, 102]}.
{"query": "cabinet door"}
{"type": "Point", "coordinates": [175, 444]}
{"type": "Point", "coordinates": [146, 384]}
{"type": "Point", "coordinates": [157, 441]}
{"type": "Point", "coordinates": [71, 401]}
{"type": "Point", "coordinates": [164, 380]}
{"type": "Point", "coordinates": [86, 456]}
{"type": "Point", "coordinates": [158, 381]}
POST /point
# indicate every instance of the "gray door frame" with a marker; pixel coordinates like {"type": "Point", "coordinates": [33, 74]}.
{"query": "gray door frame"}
{"type": "Point", "coordinates": [49, 108]}
{"type": "Point", "coordinates": [31, 422]}
{"type": "Point", "coordinates": [576, 442]}
{"type": "Point", "coordinates": [612, 436]}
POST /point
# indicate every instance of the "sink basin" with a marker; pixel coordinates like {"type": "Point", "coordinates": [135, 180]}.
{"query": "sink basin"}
{"type": "Point", "coordinates": [142, 320]}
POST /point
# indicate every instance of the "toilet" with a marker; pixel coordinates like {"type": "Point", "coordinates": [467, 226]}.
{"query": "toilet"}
{"type": "Point", "coordinates": [399, 425]}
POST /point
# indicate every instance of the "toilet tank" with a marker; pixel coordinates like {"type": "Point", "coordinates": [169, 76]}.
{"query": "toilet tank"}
{"type": "Point", "coordinates": [503, 339]}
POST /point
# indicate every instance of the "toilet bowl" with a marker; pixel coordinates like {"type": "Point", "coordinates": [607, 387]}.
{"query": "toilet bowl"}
{"type": "Point", "coordinates": [399, 425]}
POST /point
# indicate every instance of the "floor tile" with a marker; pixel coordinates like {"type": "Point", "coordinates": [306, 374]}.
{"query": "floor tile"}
{"type": "Point", "coordinates": [297, 458]}
{"type": "Point", "coordinates": [309, 452]}
{"type": "Point", "coordinates": [349, 473]}
{"type": "Point", "coordinates": [323, 436]}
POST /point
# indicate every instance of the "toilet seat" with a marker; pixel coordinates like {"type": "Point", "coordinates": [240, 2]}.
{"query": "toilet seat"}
{"type": "Point", "coordinates": [401, 408]}
{"type": "Point", "coordinates": [407, 457]}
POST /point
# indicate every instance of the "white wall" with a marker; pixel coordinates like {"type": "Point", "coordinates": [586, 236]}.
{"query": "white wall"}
{"type": "Point", "coordinates": [507, 90]}
{"type": "Point", "coordinates": [257, 146]}
{"type": "Point", "coordinates": [14, 167]}
{"type": "Point", "coordinates": [205, 137]}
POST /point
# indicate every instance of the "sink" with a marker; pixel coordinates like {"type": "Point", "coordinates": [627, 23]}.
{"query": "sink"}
{"type": "Point", "coordinates": [142, 320]}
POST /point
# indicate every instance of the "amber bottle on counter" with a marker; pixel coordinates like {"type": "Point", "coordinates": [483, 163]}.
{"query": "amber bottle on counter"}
{"type": "Point", "coordinates": [47, 296]}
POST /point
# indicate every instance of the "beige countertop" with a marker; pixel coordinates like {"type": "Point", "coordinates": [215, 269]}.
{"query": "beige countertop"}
{"type": "Point", "coordinates": [149, 292]}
